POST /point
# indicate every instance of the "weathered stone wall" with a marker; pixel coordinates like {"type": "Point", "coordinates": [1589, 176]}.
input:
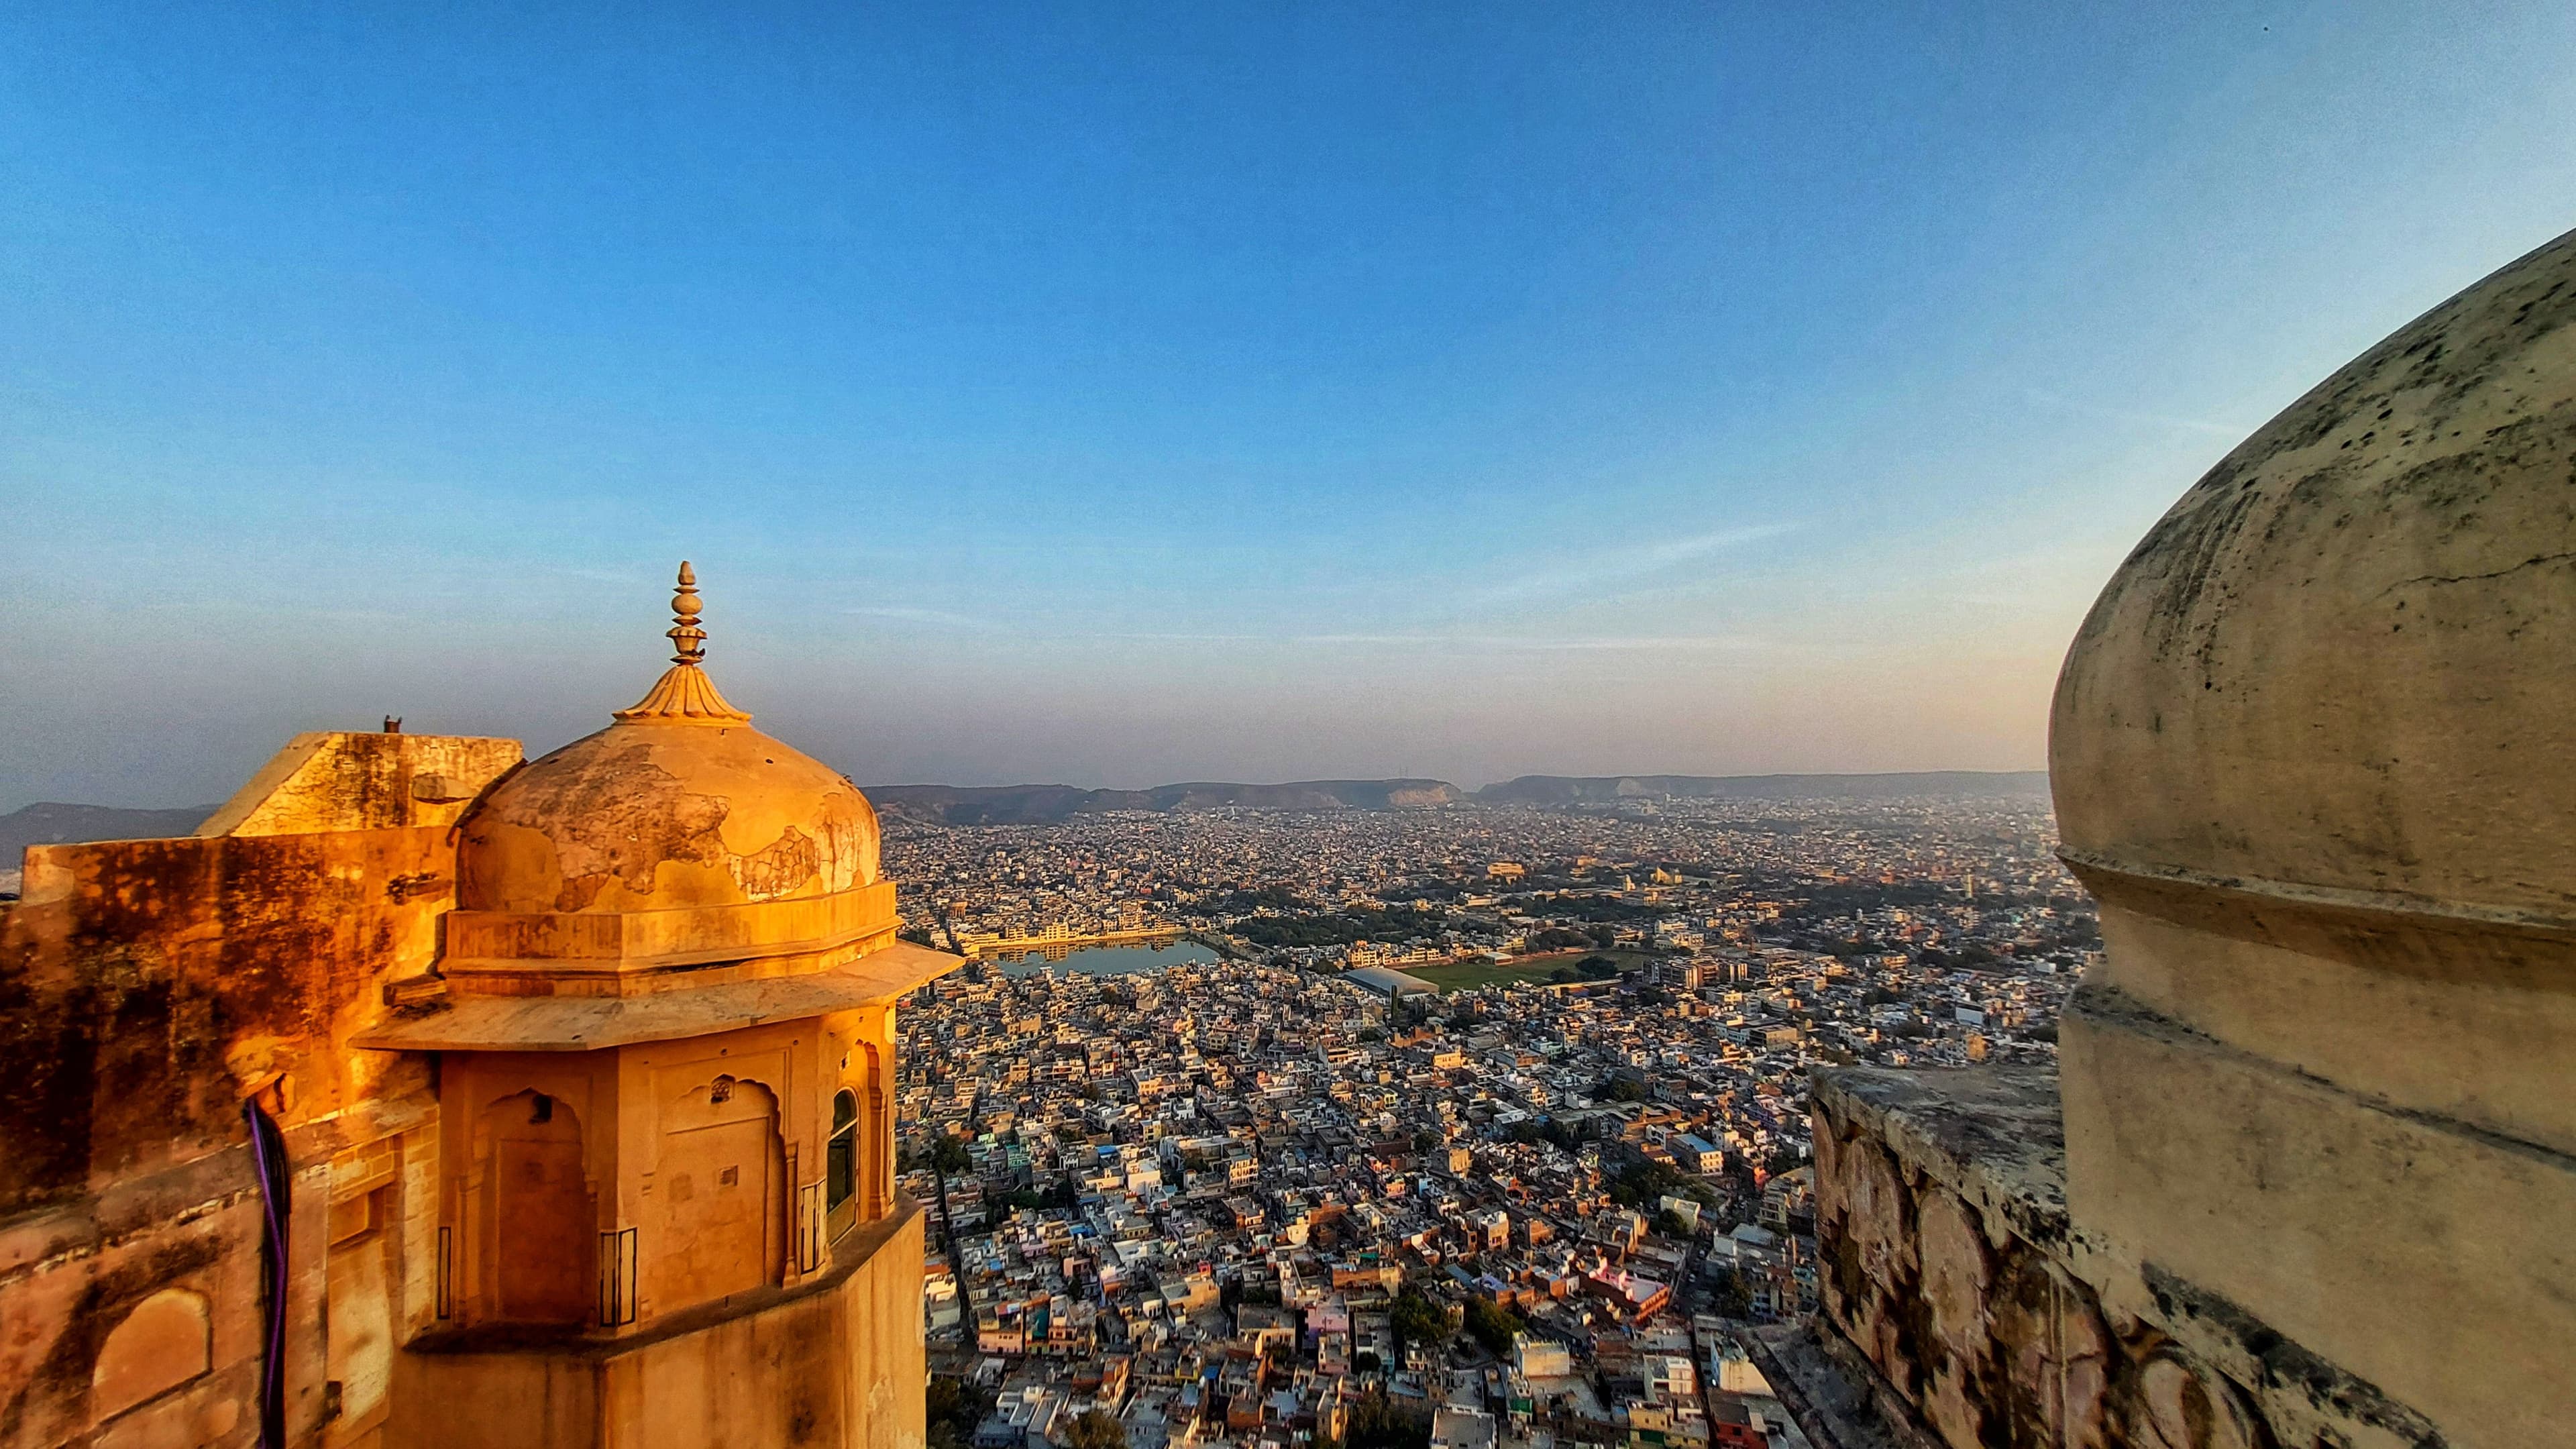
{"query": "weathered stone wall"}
{"type": "Point", "coordinates": [1952, 1270]}
{"type": "Point", "coordinates": [146, 987]}
{"type": "Point", "coordinates": [336, 780]}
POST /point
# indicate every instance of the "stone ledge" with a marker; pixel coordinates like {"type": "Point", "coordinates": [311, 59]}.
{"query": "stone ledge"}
{"type": "Point", "coordinates": [1838, 1398]}
{"type": "Point", "coordinates": [1993, 1135]}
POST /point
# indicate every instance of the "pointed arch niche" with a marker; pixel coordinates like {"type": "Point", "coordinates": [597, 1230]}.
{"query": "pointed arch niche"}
{"type": "Point", "coordinates": [538, 1208]}
{"type": "Point", "coordinates": [719, 1220]}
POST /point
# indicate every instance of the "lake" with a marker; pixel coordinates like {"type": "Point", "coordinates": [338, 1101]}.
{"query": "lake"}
{"type": "Point", "coordinates": [1110, 960]}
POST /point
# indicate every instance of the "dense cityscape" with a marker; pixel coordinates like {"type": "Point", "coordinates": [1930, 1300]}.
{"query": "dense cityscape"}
{"type": "Point", "coordinates": [1464, 1126]}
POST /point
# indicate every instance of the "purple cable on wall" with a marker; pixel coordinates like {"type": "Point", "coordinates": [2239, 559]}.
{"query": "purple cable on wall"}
{"type": "Point", "coordinates": [268, 1150]}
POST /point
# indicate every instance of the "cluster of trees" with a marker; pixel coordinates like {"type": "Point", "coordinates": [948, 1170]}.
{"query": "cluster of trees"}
{"type": "Point", "coordinates": [956, 1407]}
{"type": "Point", "coordinates": [1275, 897]}
{"type": "Point", "coordinates": [1418, 1321]}
{"type": "Point", "coordinates": [1260, 1295]}
{"type": "Point", "coordinates": [947, 1155]}
{"type": "Point", "coordinates": [1492, 1325]}
{"type": "Point", "coordinates": [1566, 938]}
{"type": "Point", "coordinates": [1729, 1297]}
{"type": "Point", "coordinates": [1609, 908]}
{"type": "Point", "coordinates": [1545, 1129]}
{"type": "Point", "coordinates": [1644, 1182]}
{"type": "Point", "coordinates": [1378, 1422]}
{"type": "Point", "coordinates": [1619, 1087]}
{"type": "Point", "coordinates": [1590, 968]}
{"type": "Point", "coordinates": [1096, 1429]}
{"type": "Point", "coordinates": [1059, 1194]}
{"type": "Point", "coordinates": [1971, 956]}
{"type": "Point", "coordinates": [1341, 928]}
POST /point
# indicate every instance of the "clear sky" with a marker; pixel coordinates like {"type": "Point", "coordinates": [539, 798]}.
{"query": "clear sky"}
{"type": "Point", "coordinates": [1117, 394]}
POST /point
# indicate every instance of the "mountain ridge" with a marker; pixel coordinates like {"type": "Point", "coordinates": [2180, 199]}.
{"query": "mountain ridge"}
{"type": "Point", "coordinates": [1589, 789]}
{"type": "Point", "coordinates": [1048, 804]}
{"type": "Point", "coordinates": [53, 822]}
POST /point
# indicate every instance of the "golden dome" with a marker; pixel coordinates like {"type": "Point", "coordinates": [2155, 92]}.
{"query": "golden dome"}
{"type": "Point", "coordinates": [679, 804]}
{"type": "Point", "coordinates": [2344, 663]}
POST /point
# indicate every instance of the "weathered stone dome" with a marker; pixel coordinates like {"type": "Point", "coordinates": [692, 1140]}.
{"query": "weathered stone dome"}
{"type": "Point", "coordinates": [2345, 661]}
{"type": "Point", "coordinates": [678, 805]}
{"type": "Point", "coordinates": [649, 815]}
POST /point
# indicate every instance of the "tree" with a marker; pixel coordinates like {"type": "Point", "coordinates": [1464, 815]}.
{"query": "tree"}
{"type": "Point", "coordinates": [1419, 1322]}
{"type": "Point", "coordinates": [1672, 1224]}
{"type": "Point", "coordinates": [950, 1157]}
{"type": "Point", "coordinates": [1622, 1089]}
{"type": "Point", "coordinates": [1492, 1325]}
{"type": "Point", "coordinates": [1096, 1429]}
{"type": "Point", "coordinates": [955, 1409]}
{"type": "Point", "coordinates": [1729, 1297]}
{"type": "Point", "coordinates": [1377, 1423]}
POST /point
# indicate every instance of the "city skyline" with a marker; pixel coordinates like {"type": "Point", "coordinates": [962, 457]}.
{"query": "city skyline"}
{"type": "Point", "coordinates": [1050, 398]}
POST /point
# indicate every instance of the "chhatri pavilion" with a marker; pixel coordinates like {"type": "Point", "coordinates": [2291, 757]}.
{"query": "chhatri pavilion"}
{"type": "Point", "coordinates": [557, 1095]}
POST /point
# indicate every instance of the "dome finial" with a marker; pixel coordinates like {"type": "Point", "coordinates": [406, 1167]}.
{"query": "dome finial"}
{"type": "Point", "coordinates": [685, 633]}
{"type": "Point", "coordinates": [684, 694]}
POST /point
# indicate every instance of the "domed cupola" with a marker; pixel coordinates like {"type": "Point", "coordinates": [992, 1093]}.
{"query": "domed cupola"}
{"type": "Point", "coordinates": [679, 804]}
{"type": "Point", "coordinates": [663, 1012]}
{"type": "Point", "coordinates": [678, 839]}
{"type": "Point", "coordinates": [2310, 754]}
{"type": "Point", "coordinates": [2342, 661]}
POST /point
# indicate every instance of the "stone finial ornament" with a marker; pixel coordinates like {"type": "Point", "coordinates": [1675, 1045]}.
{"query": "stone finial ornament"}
{"type": "Point", "coordinates": [685, 634]}
{"type": "Point", "coordinates": [684, 694]}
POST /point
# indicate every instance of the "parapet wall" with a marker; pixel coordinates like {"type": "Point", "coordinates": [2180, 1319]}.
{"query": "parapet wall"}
{"type": "Point", "coordinates": [1954, 1277]}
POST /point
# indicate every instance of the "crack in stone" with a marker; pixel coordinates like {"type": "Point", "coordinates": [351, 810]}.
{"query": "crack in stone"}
{"type": "Point", "coordinates": [2534, 561]}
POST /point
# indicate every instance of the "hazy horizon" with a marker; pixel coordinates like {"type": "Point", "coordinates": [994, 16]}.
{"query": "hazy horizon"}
{"type": "Point", "coordinates": [1467, 786]}
{"type": "Point", "coordinates": [1060, 396]}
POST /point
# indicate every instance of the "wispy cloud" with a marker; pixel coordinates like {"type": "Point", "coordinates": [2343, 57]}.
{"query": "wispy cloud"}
{"type": "Point", "coordinates": [1506, 643]}
{"type": "Point", "coordinates": [1612, 566]}
{"type": "Point", "coordinates": [939, 617]}
{"type": "Point", "coordinates": [2130, 415]}
{"type": "Point", "coordinates": [1519, 643]}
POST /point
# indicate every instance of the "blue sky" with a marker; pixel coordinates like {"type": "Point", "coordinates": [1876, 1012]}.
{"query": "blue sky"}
{"type": "Point", "coordinates": [1117, 394]}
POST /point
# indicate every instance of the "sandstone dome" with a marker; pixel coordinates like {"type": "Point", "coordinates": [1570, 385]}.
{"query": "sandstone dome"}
{"type": "Point", "coordinates": [2344, 663]}
{"type": "Point", "coordinates": [679, 804]}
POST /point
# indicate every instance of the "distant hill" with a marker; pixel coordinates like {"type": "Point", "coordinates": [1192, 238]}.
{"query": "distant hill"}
{"type": "Point", "coordinates": [1046, 804]}
{"type": "Point", "coordinates": [51, 824]}
{"type": "Point", "coordinates": [1589, 789]}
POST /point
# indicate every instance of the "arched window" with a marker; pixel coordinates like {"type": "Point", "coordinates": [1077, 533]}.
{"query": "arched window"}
{"type": "Point", "coordinates": [842, 1161]}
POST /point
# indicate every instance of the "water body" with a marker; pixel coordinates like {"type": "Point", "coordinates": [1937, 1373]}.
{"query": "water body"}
{"type": "Point", "coordinates": [1123, 960]}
